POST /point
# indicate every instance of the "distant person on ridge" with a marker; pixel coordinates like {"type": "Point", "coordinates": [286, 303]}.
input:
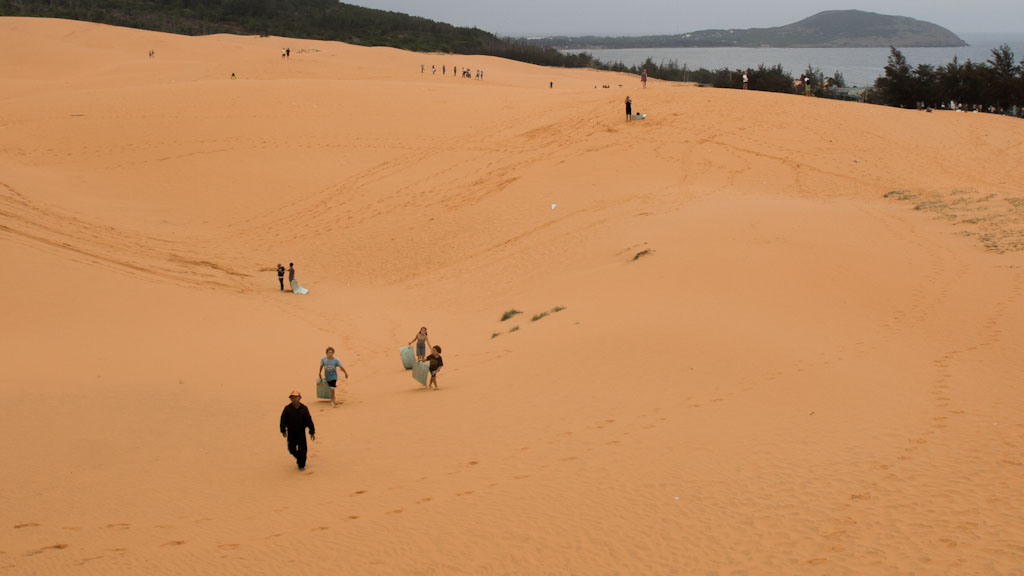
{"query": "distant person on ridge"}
{"type": "Point", "coordinates": [807, 86]}
{"type": "Point", "coordinates": [295, 419]}
{"type": "Point", "coordinates": [629, 109]}
{"type": "Point", "coordinates": [745, 80]}
{"type": "Point", "coordinates": [643, 78]}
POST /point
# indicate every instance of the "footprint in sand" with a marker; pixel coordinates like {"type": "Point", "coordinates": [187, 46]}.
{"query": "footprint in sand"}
{"type": "Point", "coordinates": [25, 525]}
{"type": "Point", "coordinates": [466, 493]}
{"type": "Point", "coordinates": [358, 492]}
{"type": "Point", "coordinates": [319, 528]}
{"type": "Point", "coordinates": [45, 548]}
{"type": "Point", "coordinates": [173, 543]}
{"type": "Point", "coordinates": [119, 526]}
{"type": "Point", "coordinates": [425, 500]}
{"type": "Point", "coordinates": [229, 546]}
{"type": "Point", "coordinates": [353, 517]}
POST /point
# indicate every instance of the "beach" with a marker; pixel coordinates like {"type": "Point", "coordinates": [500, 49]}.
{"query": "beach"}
{"type": "Point", "coordinates": [787, 338]}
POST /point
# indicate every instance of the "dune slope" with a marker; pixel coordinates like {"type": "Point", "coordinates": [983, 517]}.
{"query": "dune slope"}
{"type": "Point", "coordinates": [786, 340]}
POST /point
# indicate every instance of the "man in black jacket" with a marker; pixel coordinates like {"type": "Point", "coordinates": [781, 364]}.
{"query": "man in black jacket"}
{"type": "Point", "coordinates": [294, 420]}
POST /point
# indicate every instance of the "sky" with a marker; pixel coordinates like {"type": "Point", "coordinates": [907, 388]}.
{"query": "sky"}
{"type": "Point", "coordinates": [640, 17]}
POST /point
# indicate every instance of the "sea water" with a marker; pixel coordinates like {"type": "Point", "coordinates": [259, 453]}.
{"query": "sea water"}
{"type": "Point", "coordinates": [859, 66]}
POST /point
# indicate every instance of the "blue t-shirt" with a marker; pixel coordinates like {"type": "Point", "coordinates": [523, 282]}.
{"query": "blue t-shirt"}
{"type": "Point", "coordinates": [330, 368]}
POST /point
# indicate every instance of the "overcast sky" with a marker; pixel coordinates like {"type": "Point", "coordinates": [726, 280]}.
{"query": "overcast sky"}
{"type": "Point", "coordinates": [638, 17]}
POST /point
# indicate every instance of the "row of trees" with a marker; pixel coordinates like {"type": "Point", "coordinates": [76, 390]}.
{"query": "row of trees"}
{"type": "Point", "coordinates": [998, 82]}
{"type": "Point", "coordinates": [766, 78]}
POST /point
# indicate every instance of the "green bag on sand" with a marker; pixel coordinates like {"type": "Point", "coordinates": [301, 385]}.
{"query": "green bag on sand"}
{"type": "Point", "coordinates": [323, 391]}
{"type": "Point", "coordinates": [421, 372]}
{"type": "Point", "coordinates": [408, 358]}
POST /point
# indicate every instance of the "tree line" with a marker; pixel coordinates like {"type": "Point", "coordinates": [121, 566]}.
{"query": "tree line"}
{"type": "Point", "coordinates": [996, 85]}
{"type": "Point", "coordinates": [764, 78]}
{"type": "Point", "coordinates": [312, 19]}
{"type": "Point", "coordinates": [997, 82]}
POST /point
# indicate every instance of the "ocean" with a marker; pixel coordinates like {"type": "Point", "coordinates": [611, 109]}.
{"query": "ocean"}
{"type": "Point", "coordinates": [859, 66]}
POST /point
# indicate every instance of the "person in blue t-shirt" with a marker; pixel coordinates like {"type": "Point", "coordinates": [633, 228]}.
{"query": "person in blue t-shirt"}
{"type": "Point", "coordinates": [329, 366]}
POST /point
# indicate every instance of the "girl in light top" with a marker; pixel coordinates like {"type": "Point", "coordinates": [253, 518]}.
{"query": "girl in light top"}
{"type": "Point", "coordinates": [422, 343]}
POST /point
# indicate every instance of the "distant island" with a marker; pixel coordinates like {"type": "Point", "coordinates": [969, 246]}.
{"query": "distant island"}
{"type": "Point", "coordinates": [829, 29]}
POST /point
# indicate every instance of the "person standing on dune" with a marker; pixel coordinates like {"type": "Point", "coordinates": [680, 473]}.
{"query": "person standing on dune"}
{"type": "Point", "coordinates": [329, 366]}
{"type": "Point", "coordinates": [291, 272]}
{"type": "Point", "coordinates": [280, 276]}
{"type": "Point", "coordinates": [629, 109]}
{"type": "Point", "coordinates": [422, 343]}
{"type": "Point", "coordinates": [435, 365]}
{"type": "Point", "coordinates": [643, 78]}
{"type": "Point", "coordinates": [295, 418]}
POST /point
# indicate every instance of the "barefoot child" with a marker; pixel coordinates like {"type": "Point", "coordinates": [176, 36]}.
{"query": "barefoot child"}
{"type": "Point", "coordinates": [332, 365]}
{"type": "Point", "coordinates": [422, 342]}
{"type": "Point", "coordinates": [435, 365]}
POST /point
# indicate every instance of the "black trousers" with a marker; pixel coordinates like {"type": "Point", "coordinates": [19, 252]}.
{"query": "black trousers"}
{"type": "Point", "coordinates": [281, 280]}
{"type": "Point", "coordinates": [297, 448]}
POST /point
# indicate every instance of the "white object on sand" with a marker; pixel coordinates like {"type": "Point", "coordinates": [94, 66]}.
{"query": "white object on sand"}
{"type": "Point", "coordinates": [553, 206]}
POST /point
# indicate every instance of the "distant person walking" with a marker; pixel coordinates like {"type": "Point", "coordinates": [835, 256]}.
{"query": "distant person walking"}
{"type": "Point", "coordinates": [746, 81]}
{"type": "Point", "coordinates": [287, 52]}
{"type": "Point", "coordinates": [295, 419]}
{"type": "Point", "coordinates": [422, 343]}
{"type": "Point", "coordinates": [643, 78]}
{"type": "Point", "coordinates": [329, 366]}
{"type": "Point", "coordinates": [807, 86]}
{"type": "Point", "coordinates": [280, 276]}
{"type": "Point", "coordinates": [629, 109]}
{"type": "Point", "coordinates": [435, 365]}
{"type": "Point", "coordinates": [284, 54]}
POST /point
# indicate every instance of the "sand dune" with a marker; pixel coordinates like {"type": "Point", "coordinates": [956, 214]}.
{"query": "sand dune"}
{"type": "Point", "coordinates": [814, 368]}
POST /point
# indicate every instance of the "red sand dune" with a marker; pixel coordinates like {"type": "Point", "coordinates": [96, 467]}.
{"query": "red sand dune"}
{"type": "Point", "coordinates": [805, 374]}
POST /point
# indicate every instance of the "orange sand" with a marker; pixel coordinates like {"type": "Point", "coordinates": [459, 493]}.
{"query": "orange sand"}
{"type": "Point", "coordinates": [802, 376]}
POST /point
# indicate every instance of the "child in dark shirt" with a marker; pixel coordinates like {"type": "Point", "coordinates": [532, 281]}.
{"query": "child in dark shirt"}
{"type": "Point", "coordinates": [434, 358]}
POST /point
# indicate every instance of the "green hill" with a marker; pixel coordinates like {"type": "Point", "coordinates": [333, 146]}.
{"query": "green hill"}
{"type": "Point", "coordinates": [313, 19]}
{"type": "Point", "coordinates": [830, 29]}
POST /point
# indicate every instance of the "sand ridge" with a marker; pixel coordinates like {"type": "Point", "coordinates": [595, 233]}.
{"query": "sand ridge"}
{"type": "Point", "coordinates": [805, 373]}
